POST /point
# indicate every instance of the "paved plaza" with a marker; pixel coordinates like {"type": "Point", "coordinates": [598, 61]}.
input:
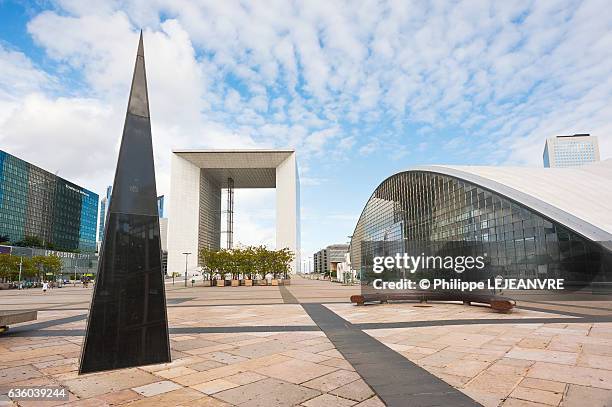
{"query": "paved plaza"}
{"type": "Point", "coordinates": [305, 345]}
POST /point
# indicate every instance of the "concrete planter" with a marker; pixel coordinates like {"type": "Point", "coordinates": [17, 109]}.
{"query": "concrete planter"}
{"type": "Point", "coordinates": [260, 282]}
{"type": "Point", "coordinates": [206, 283]}
{"type": "Point", "coordinates": [235, 283]}
{"type": "Point", "coordinates": [248, 283]}
{"type": "Point", "coordinates": [274, 282]}
{"type": "Point", "coordinates": [220, 283]}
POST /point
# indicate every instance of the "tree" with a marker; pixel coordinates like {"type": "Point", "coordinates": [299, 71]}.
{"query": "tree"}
{"type": "Point", "coordinates": [28, 268]}
{"type": "Point", "coordinates": [9, 267]}
{"type": "Point", "coordinates": [4, 239]}
{"type": "Point", "coordinates": [47, 264]}
{"type": "Point", "coordinates": [283, 259]}
{"type": "Point", "coordinates": [210, 262]}
{"type": "Point", "coordinates": [247, 261]}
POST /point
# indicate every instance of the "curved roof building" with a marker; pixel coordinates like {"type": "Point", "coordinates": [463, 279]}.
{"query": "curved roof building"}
{"type": "Point", "coordinates": [532, 222]}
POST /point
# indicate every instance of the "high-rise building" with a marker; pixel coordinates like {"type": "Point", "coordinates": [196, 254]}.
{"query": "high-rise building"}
{"type": "Point", "coordinates": [160, 206]}
{"type": "Point", "coordinates": [39, 206]}
{"type": "Point", "coordinates": [104, 204]}
{"type": "Point", "coordinates": [326, 260]}
{"type": "Point", "coordinates": [570, 151]}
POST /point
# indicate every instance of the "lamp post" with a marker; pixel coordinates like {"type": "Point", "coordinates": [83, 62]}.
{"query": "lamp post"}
{"type": "Point", "coordinates": [20, 267]}
{"type": "Point", "coordinates": [186, 257]}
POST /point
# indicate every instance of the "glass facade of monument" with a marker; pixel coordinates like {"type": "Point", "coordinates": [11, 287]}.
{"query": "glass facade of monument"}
{"type": "Point", "coordinates": [37, 203]}
{"type": "Point", "coordinates": [418, 206]}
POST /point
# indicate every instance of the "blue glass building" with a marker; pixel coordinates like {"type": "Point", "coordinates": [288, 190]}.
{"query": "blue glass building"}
{"type": "Point", "coordinates": [35, 203]}
{"type": "Point", "coordinates": [160, 206]}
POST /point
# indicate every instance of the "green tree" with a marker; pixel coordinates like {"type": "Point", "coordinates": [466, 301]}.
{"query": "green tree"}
{"type": "Point", "coordinates": [29, 269]}
{"type": "Point", "coordinates": [210, 262]}
{"type": "Point", "coordinates": [282, 261]}
{"type": "Point", "coordinates": [47, 264]}
{"type": "Point", "coordinates": [9, 267]}
{"type": "Point", "coordinates": [247, 261]}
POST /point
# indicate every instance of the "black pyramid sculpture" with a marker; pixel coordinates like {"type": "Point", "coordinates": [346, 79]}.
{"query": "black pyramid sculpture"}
{"type": "Point", "coordinates": [127, 324]}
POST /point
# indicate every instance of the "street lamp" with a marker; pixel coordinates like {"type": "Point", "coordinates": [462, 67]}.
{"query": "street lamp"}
{"type": "Point", "coordinates": [20, 267]}
{"type": "Point", "coordinates": [186, 257]}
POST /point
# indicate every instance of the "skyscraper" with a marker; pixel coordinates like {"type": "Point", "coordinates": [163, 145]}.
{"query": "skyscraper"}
{"type": "Point", "coordinates": [160, 206]}
{"type": "Point", "coordinates": [570, 151]}
{"type": "Point", "coordinates": [37, 205]}
{"type": "Point", "coordinates": [104, 204]}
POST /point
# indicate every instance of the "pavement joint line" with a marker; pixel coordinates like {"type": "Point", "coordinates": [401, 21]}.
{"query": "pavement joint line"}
{"type": "Point", "coordinates": [569, 305]}
{"type": "Point", "coordinates": [417, 324]}
{"type": "Point", "coordinates": [17, 332]}
{"type": "Point", "coordinates": [168, 306]}
{"type": "Point", "coordinates": [37, 329]}
{"type": "Point", "coordinates": [553, 311]}
{"type": "Point", "coordinates": [395, 379]}
{"type": "Point", "coordinates": [288, 297]}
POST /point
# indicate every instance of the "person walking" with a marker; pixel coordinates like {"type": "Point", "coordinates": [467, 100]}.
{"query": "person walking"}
{"type": "Point", "coordinates": [45, 287]}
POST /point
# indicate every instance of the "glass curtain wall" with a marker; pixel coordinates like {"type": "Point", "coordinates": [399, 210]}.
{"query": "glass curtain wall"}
{"type": "Point", "coordinates": [418, 206]}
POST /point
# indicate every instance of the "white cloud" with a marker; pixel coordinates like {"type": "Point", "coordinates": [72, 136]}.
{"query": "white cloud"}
{"type": "Point", "coordinates": [19, 74]}
{"type": "Point", "coordinates": [59, 134]}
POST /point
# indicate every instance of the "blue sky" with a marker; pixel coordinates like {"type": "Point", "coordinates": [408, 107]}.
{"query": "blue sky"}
{"type": "Point", "coordinates": [360, 89]}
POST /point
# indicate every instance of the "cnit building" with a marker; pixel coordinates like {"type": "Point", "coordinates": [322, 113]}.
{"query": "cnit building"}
{"type": "Point", "coordinates": [532, 222]}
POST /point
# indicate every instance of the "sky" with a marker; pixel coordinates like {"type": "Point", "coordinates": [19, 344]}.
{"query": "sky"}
{"type": "Point", "coordinates": [361, 90]}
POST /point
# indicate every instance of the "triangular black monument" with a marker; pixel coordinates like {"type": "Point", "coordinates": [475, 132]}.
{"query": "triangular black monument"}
{"type": "Point", "coordinates": [127, 324]}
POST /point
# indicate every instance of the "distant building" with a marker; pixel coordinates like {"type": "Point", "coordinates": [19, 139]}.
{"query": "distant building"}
{"type": "Point", "coordinates": [163, 235]}
{"type": "Point", "coordinates": [570, 151]}
{"type": "Point", "coordinates": [344, 272]}
{"type": "Point", "coordinates": [318, 262]}
{"type": "Point", "coordinates": [74, 265]}
{"type": "Point", "coordinates": [326, 260]}
{"type": "Point", "coordinates": [160, 206]}
{"type": "Point", "coordinates": [104, 205]}
{"type": "Point", "coordinates": [38, 205]}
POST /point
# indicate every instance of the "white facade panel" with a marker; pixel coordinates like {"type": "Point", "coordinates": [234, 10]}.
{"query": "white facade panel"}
{"type": "Point", "coordinates": [183, 215]}
{"type": "Point", "coordinates": [288, 208]}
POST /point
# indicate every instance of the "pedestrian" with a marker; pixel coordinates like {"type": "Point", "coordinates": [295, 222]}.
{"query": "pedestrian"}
{"type": "Point", "coordinates": [45, 287]}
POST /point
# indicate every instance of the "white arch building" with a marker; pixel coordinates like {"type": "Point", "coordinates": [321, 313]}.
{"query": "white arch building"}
{"type": "Point", "coordinates": [197, 177]}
